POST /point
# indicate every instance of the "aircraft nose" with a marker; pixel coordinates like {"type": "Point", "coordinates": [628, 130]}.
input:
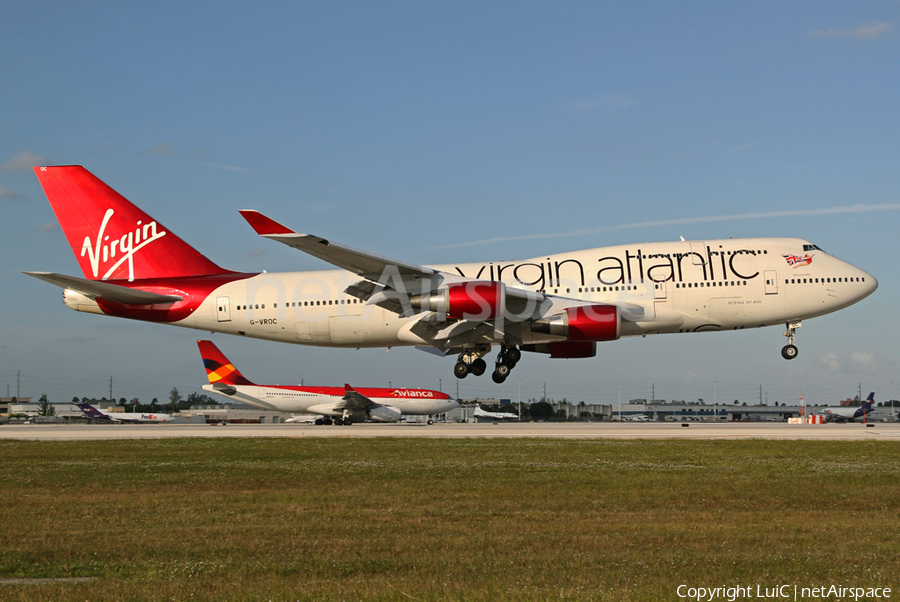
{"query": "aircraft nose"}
{"type": "Point", "coordinates": [870, 280]}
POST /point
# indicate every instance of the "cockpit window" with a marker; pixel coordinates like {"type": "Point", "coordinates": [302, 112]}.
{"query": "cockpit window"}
{"type": "Point", "coordinates": [811, 248]}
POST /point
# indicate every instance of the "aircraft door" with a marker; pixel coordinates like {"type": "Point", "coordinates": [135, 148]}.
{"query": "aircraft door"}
{"type": "Point", "coordinates": [771, 277]}
{"type": "Point", "coordinates": [659, 291]}
{"type": "Point", "coordinates": [698, 253]}
{"type": "Point", "coordinates": [223, 311]}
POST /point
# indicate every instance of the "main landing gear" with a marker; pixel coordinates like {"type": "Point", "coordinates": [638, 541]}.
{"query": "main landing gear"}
{"type": "Point", "coordinates": [472, 362]}
{"type": "Point", "coordinates": [789, 351]}
{"type": "Point", "coordinates": [338, 421]}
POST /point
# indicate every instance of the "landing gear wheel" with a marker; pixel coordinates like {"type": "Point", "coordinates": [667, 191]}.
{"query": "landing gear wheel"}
{"type": "Point", "coordinates": [478, 367]}
{"type": "Point", "coordinates": [497, 378]}
{"type": "Point", "coordinates": [461, 370]}
{"type": "Point", "coordinates": [502, 370]}
{"type": "Point", "coordinates": [513, 355]}
{"type": "Point", "coordinates": [430, 422]}
{"type": "Point", "coordinates": [789, 352]}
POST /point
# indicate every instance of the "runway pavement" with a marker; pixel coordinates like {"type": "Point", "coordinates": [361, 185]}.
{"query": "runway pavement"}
{"type": "Point", "coordinates": [602, 430]}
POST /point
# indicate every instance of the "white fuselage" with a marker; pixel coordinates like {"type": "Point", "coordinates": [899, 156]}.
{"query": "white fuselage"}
{"type": "Point", "coordinates": [320, 400]}
{"type": "Point", "coordinates": [666, 287]}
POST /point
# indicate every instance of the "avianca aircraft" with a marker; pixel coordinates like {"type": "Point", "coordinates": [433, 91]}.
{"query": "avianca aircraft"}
{"type": "Point", "coordinates": [849, 414]}
{"type": "Point", "coordinates": [561, 305]}
{"type": "Point", "coordinates": [344, 404]}
{"type": "Point", "coordinates": [95, 414]}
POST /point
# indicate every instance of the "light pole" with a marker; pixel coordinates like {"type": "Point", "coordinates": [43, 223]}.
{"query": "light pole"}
{"type": "Point", "coordinates": [620, 400]}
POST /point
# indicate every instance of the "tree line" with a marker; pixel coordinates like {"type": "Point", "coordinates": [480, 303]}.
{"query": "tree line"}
{"type": "Point", "coordinates": [175, 403]}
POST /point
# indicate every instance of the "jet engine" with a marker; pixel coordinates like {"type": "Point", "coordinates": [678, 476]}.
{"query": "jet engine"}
{"type": "Point", "coordinates": [473, 300]}
{"type": "Point", "coordinates": [385, 414]}
{"type": "Point", "coordinates": [587, 323]}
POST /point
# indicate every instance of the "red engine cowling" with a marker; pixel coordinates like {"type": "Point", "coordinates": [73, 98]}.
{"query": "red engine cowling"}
{"type": "Point", "coordinates": [474, 300]}
{"type": "Point", "coordinates": [588, 323]}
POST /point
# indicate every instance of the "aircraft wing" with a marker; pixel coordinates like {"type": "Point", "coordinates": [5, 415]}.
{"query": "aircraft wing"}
{"type": "Point", "coordinates": [367, 265]}
{"type": "Point", "coordinates": [96, 289]}
{"type": "Point", "coordinates": [354, 400]}
{"type": "Point", "coordinates": [380, 273]}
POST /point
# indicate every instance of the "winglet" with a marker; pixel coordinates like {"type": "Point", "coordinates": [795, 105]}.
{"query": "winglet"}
{"type": "Point", "coordinates": [264, 225]}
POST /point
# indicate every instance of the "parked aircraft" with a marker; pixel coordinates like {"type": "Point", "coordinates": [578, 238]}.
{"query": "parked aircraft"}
{"type": "Point", "coordinates": [342, 405]}
{"type": "Point", "coordinates": [849, 414]}
{"type": "Point", "coordinates": [302, 419]}
{"type": "Point", "coordinates": [561, 304]}
{"type": "Point", "coordinates": [132, 417]}
{"type": "Point", "coordinates": [485, 415]}
{"type": "Point", "coordinates": [638, 418]}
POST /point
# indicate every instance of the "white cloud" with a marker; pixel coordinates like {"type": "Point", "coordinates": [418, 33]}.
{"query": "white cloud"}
{"type": "Point", "coordinates": [742, 147]}
{"type": "Point", "coordinates": [6, 193]}
{"type": "Point", "coordinates": [844, 209]}
{"type": "Point", "coordinates": [23, 162]}
{"type": "Point", "coordinates": [161, 148]}
{"type": "Point", "coordinates": [872, 30]}
{"type": "Point", "coordinates": [604, 102]}
{"type": "Point", "coordinates": [857, 362]}
{"type": "Point", "coordinates": [832, 361]}
{"type": "Point", "coordinates": [231, 168]}
{"type": "Point", "coordinates": [864, 359]}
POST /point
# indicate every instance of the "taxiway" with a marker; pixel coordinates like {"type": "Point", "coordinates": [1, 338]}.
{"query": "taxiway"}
{"type": "Point", "coordinates": [666, 430]}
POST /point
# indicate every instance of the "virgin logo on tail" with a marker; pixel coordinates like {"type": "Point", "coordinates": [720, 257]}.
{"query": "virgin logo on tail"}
{"type": "Point", "coordinates": [105, 250]}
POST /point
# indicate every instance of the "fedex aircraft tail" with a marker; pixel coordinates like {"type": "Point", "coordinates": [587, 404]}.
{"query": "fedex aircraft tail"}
{"type": "Point", "coordinates": [218, 369]}
{"type": "Point", "coordinates": [867, 404]}
{"type": "Point", "coordinates": [111, 238]}
{"type": "Point", "coordinates": [91, 412]}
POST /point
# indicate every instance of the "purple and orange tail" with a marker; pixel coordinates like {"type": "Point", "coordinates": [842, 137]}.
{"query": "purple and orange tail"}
{"type": "Point", "coordinates": [218, 368]}
{"type": "Point", "coordinates": [111, 238]}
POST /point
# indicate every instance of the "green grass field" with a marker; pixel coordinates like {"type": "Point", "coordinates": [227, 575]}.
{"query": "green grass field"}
{"type": "Point", "coordinates": [415, 519]}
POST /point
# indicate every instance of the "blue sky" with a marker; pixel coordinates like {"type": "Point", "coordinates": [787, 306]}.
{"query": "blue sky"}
{"type": "Point", "coordinates": [451, 132]}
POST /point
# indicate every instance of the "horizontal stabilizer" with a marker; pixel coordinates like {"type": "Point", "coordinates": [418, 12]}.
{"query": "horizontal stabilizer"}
{"type": "Point", "coordinates": [95, 289]}
{"type": "Point", "coordinates": [224, 389]}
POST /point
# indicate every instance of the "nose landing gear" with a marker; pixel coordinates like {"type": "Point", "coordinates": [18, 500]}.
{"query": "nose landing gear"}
{"type": "Point", "coordinates": [789, 351]}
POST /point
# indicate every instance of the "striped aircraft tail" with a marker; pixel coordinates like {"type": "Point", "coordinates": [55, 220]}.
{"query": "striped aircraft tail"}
{"type": "Point", "coordinates": [218, 368]}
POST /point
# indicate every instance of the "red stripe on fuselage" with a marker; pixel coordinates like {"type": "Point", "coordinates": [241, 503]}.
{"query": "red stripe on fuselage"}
{"type": "Point", "coordinates": [370, 392]}
{"type": "Point", "coordinates": [194, 289]}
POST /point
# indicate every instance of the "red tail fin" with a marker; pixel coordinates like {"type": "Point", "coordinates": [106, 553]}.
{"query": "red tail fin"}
{"type": "Point", "coordinates": [111, 238]}
{"type": "Point", "coordinates": [218, 368]}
